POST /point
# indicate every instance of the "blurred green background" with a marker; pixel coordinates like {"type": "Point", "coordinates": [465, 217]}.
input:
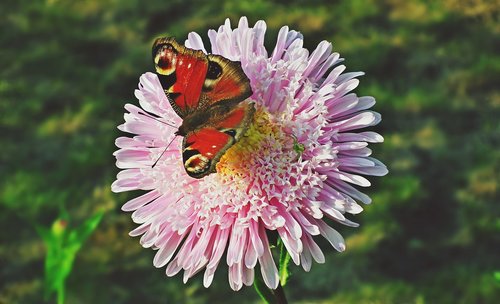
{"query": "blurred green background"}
{"type": "Point", "coordinates": [431, 235]}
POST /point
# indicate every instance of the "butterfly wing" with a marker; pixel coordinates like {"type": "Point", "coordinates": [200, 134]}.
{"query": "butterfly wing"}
{"type": "Point", "coordinates": [181, 72]}
{"type": "Point", "coordinates": [203, 147]}
{"type": "Point", "coordinates": [225, 82]}
{"type": "Point", "coordinates": [193, 80]}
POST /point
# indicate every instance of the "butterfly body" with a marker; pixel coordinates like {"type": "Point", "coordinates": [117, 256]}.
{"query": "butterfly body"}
{"type": "Point", "coordinates": [208, 92]}
{"type": "Point", "coordinates": [199, 119]}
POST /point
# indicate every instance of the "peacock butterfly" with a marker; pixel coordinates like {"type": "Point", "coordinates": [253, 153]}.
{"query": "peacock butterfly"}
{"type": "Point", "coordinates": [208, 92]}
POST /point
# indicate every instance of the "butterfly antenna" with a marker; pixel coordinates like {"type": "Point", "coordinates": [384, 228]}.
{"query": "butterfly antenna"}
{"type": "Point", "coordinates": [165, 123]}
{"type": "Point", "coordinates": [164, 150]}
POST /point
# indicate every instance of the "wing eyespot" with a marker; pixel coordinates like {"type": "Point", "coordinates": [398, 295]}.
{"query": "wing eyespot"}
{"type": "Point", "coordinates": [197, 165]}
{"type": "Point", "coordinates": [166, 60]}
{"type": "Point", "coordinates": [231, 132]}
{"type": "Point", "coordinates": [214, 70]}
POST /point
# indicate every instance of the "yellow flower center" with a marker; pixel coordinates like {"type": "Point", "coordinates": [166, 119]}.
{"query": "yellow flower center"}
{"type": "Point", "coordinates": [235, 161]}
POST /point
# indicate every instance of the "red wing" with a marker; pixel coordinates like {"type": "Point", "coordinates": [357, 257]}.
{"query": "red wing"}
{"type": "Point", "coordinates": [193, 80]}
{"type": "Point", "coordinates": [225, 81]}
{"type": "Point", "coordinates": [181, 72]}
{"type": "Point", "coordinates": [203, 148]}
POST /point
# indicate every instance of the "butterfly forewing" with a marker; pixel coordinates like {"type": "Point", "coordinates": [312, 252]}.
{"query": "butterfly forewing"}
{"type": "Point", "coordinates": [182, 73]}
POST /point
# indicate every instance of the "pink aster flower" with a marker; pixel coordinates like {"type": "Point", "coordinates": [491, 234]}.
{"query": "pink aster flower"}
{"type": "Point", "coordinates": [294, 168]}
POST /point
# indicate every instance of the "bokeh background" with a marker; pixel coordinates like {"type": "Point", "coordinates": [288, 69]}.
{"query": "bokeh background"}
{"type": "Point", "coordinates": [431, 235]}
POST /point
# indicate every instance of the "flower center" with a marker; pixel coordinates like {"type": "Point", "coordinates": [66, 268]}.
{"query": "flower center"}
{"type": "Point", "coordinates": [236, 159]}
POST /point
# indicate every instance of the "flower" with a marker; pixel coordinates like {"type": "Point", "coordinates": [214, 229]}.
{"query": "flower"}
{"type": "Point", "coordinates": [291, 173]}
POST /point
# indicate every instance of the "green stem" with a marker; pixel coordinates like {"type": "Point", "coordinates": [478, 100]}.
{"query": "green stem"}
{"type": "Point", "coordinates": [265, 293]}
{"type": "Point", "coordinates": [270, 296]}
{"type": "Point", "coordinates": [60, 294]}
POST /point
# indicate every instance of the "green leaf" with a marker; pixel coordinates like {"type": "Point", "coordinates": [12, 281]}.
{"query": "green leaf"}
{"type": "Point", "coordinates": [62, 244]}
{"type": "Point", "coordinates": [85, 230]}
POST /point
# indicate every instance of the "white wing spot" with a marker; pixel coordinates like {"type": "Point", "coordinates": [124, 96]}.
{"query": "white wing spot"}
{"type": "Point", "coordinates": [191, 166]}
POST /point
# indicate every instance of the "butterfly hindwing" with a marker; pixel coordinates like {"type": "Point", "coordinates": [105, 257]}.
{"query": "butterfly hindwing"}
{"type": "Point", "coordinates": [203, 147]}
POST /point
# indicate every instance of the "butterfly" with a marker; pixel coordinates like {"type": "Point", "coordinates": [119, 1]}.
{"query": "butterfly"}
{"type": "Point", "coordinates": [209, 93]}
